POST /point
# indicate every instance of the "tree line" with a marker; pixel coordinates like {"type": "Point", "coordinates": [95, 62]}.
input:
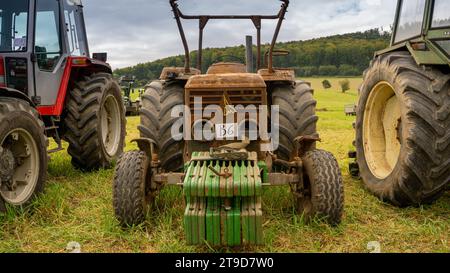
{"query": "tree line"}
{"type": "Point", "coordinates": [338, 55]}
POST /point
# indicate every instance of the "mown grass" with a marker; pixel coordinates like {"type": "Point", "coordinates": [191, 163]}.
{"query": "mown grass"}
{"type": "Point", "coordinates": [78, 207]}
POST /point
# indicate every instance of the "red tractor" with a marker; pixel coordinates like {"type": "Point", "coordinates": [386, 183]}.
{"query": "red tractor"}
{"type": "Point", "coordinates": [51, 88]}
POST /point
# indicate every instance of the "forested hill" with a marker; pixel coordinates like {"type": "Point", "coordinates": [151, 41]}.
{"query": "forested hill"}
{"type": "Point", "coordinates": [339, 55]}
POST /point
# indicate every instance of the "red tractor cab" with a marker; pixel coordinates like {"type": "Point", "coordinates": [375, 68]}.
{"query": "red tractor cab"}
{"type": "Point", "coordinates": [51, 87]}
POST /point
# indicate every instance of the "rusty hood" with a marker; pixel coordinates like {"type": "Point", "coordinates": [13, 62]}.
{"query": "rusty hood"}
{"type": "Point", "coordinates": [226, 81]}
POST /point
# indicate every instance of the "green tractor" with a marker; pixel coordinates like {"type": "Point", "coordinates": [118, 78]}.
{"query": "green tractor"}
{"type": "Point", "coordinates": [132, 108]}
{"type": "Point", "coordinates": [221, 165]}
{"type": "Point", "coordinates": [403, 118]}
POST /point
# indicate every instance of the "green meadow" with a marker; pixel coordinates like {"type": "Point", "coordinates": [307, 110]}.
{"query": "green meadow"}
{"type": "Point", "coordinates": [77, 207]}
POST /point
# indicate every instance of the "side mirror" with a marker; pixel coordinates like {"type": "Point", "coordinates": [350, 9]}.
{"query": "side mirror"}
{"type": "Point", "coordinates": [103, 57]}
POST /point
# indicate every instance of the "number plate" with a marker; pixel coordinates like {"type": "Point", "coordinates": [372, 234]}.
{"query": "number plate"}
{"type": "Point", "coordinates": [229, 130]}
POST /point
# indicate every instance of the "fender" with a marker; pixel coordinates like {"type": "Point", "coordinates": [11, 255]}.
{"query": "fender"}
{"type": "Point", "coordinates": [422, 57]}
{"type": "Point", "coordinates": [146, 145]}
{"type": "Point", "coordinates": [13, 93]}
{"type": "Point", "coordinates": [73, 64]}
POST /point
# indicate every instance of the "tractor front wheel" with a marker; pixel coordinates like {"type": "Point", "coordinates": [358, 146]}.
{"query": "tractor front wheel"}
{"type": "Point", "coordinates": [132, 192]}
{"type": "Point", "coordinates": [322, 193]}
{"type": "Point", "coordinates": [23, 153]}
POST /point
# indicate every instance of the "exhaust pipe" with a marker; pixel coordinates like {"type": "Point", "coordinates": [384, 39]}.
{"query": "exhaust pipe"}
{"type": "Point", "coordinates": [249, 53]}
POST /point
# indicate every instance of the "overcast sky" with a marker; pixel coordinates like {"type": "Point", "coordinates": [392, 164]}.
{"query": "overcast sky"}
{"type": "Point", "coordinates": [138, 31]}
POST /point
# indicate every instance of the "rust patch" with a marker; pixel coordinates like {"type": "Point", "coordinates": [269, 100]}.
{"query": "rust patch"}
{"type": "Point", "coordinates": [225, 68]}
{"type": "Point", "coordinates": [226, 81]}
{"type": "Point", "coordinates": [178, 73]}
{"type": "Point", "coordinates": [278, 75]}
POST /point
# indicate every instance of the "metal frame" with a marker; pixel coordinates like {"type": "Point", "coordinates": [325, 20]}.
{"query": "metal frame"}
{"type": "Point", "coordinates": [204, 19]}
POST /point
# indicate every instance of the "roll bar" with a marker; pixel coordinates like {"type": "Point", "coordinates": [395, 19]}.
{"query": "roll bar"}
{"type": "Point", "coordinates": [204, 19]}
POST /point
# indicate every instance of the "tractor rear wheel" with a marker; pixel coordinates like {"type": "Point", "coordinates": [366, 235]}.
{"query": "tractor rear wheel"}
{"type": "Point", "coordinates": [322, 193]}
{"type": "Point", "coordinates": [156, 121]}
{"type": "Point", "coordinates": [132, 194]}
{"type": "Point", "coordinates": [94, 122]}
{"type": "Point", "coordinates": [23, 153]}
{"type": "Point", "coordinates": [297, 116]}
{"type": "Point", "coordinates": [403, 132]}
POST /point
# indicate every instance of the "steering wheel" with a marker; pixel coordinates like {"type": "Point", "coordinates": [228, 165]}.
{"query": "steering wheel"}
{"type": "Point", "coordinates": [222, 59]}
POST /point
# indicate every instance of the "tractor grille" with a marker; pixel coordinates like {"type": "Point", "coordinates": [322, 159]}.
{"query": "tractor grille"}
{"type": "Point", "coordinates": [222, 98]}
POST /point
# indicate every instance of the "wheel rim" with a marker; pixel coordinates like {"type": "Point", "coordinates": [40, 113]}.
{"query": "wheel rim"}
{"type": "Point", "coordinates": [110, 123]}
{"type": "Point", "coordinates": [25, 177]}
{"type": "Point", "coordinates": [382, 130]}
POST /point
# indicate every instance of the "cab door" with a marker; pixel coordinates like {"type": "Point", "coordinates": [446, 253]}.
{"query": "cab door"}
{"type": "Point", "coordinates": [49, 61]}
{"type": "Point", "coordinates": [15, 44]}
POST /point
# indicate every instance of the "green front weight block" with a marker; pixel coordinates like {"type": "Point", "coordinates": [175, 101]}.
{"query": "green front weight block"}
{"type": "Point", "coordinates": [223, 201]}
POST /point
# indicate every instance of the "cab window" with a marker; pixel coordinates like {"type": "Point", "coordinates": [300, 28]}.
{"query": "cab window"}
{"type": "Point", "coordinates": [441, 15]}
{"type": "Point", "coordinates": [411, 19]}
{"type": "Point", "coordinates": [48, 44]}
{"type": "Point", "coordinates": [13, 25]}
{"type": "Point", "coordinates": [74, 27]}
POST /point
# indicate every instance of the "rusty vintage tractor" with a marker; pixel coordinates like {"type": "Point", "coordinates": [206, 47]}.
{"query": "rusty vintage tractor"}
{"type": "Point", "coordinates": [219, 148]}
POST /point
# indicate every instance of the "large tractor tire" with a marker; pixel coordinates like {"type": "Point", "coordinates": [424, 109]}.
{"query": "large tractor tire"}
{"type": "Point", "coordinates": [323, 189]}
{"type": "Point", "coordinates": [156, 121]}
{"type": "Point", "coordinates": [23, 153]}
{"type": "Point", "coordinates": [94, 122]}
{"type": "Point", "coordinates": [297, 116]}
{"type": "Point", "coordinates": [403, 130]}
{"type": "Point", "coordinates": [132, 194]}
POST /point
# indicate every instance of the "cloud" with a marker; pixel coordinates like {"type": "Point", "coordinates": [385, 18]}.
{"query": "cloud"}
{"type": "Point", "coordinates": [138, 31]}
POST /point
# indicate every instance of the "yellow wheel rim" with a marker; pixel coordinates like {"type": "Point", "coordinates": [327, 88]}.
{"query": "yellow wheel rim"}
{"type": "Point", "coordinates": [382, 130]}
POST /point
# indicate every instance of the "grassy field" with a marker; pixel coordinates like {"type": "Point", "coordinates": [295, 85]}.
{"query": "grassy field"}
{"type": "Point", "coordinates": [78, 207]}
